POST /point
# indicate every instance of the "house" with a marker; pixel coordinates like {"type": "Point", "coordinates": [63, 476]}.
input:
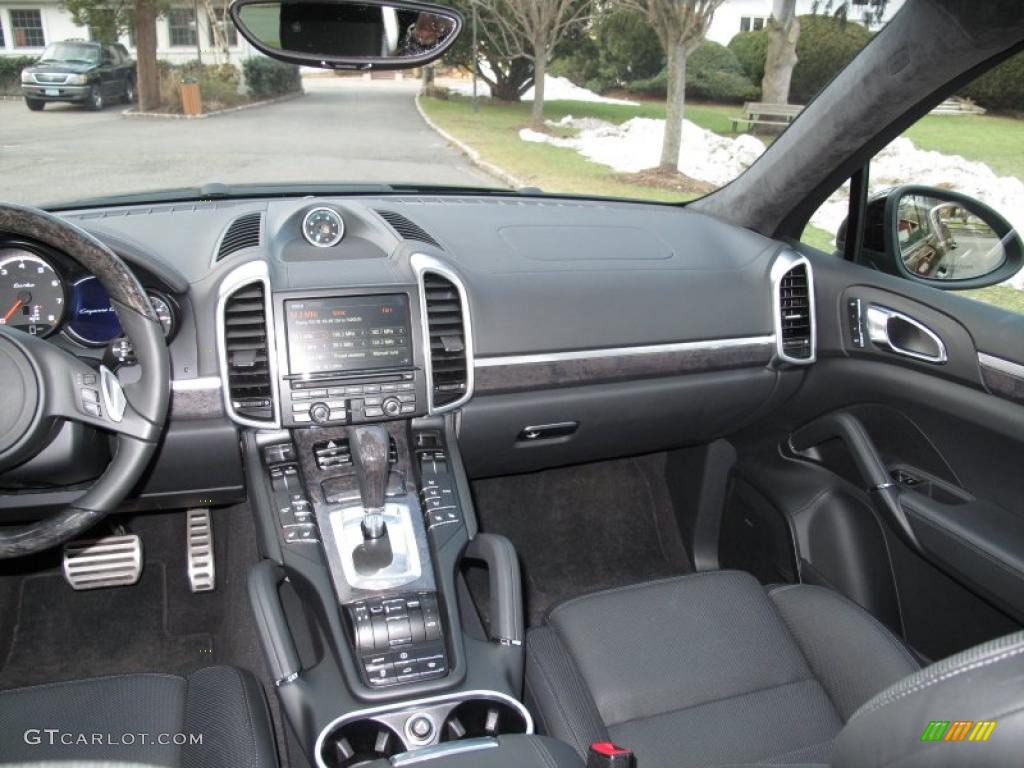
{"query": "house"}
{"type": "Point", "coordinates": [184, 33]}
{"type": "Point", "coordinates": [735, 16]}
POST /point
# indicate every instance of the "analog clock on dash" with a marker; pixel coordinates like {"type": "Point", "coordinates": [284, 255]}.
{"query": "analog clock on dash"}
{"type": "Point", "coordinates": [323, 227]}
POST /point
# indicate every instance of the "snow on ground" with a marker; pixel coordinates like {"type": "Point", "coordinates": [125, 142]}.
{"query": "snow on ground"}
{"type": "Point", "coordinates": [555, 89]}
{"type": "Point", "coordinates": [635, 145]}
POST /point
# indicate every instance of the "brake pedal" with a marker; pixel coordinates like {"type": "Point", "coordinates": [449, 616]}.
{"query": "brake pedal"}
{"type": "Point", "coordinates": [202, 575]}
{"type": "Point", "coordinates": [112, 561]}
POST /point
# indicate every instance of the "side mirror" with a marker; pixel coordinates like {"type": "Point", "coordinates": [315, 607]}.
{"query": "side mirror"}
{"type": "Point", "coordinates": [348, 34]}
{"type": "Point", "coordinates": [938, 237]}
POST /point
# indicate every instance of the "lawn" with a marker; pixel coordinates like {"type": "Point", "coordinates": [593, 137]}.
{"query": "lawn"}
{"type": "Point", "coordinates": [996, 141]}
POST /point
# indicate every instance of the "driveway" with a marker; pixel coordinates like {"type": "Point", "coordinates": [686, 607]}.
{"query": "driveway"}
{"type": "Point", "coordinates": [340, 130]}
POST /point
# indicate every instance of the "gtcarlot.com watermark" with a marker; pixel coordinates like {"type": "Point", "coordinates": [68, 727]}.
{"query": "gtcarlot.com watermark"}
{"type": "Point", "coordinates": [55, 737]}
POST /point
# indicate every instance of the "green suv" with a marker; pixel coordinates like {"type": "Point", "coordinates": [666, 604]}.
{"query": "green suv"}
{"type": "Point", "coordinates": [80, 71]}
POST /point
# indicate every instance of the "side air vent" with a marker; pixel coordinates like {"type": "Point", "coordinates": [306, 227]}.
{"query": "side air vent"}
{"type": "Point", "coordinates": [794, 303]}
{"type": "Point", "coordinates": [449, 334]}
{"type": "Point", "coordinates": [243, 232]}
{"type": "Point", "coordinates": [247, 354]}
{"type": "Point", "coordinates": [406, 229]}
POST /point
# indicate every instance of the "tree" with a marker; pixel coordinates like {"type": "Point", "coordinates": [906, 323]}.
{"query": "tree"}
{"type": "Point", "coordinates": [508, 77]}
{"type": "Point", "coordinates": [681, 26]}
{"type": "Point", "coordinates": [531, 29]}
{"type": "Point", "coordinates": [780, 56]}
{"type": "Point", "coordinates": [783, 34]}
{"type": "Point", "coordinates": [108, 21]}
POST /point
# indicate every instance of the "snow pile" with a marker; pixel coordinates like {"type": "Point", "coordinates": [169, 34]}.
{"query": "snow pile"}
{"type": "Point", "coordinates": [903, 163]}
{"type": "Point", "coordinates": [555, 89]}
{"type": "Point", "coordinates": [636, 145]}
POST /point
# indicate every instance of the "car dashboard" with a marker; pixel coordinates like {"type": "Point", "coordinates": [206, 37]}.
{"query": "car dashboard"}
{"type": "Point", "coordinates": [553, 331]}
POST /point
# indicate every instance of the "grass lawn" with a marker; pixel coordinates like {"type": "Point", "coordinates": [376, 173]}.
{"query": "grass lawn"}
{"type": "Point", "coordinates": [996, 141]}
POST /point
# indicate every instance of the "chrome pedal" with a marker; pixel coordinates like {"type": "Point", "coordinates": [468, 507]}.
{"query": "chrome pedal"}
{"type": "Point", "coordinates": [112, 561]}
{"type": "Point", "coordinates": [202, 575]}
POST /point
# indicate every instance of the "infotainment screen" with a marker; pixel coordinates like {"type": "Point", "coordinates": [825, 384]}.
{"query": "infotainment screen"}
{"type": "Point", "coordinates": [348, 333]}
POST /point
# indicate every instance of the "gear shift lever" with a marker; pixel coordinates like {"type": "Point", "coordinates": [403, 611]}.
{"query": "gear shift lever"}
{"type": "Point", "coordinates": [369, 446]}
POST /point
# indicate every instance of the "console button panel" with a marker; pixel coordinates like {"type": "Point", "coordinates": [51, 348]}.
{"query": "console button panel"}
{"type": "Point", "coordinates": [348, 400]}
{"type": "Point", "coordinates": [294, 510]}
{"type": "Point", "coordinates": [398, 639]}
{"type": "Point", "coordinates": [438, 494]}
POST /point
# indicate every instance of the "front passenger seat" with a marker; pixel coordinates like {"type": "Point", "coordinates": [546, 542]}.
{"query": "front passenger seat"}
{"type": "Point", "coordinates": [213, 718]}
{"type": "Point", "coordinates": [712, 669]}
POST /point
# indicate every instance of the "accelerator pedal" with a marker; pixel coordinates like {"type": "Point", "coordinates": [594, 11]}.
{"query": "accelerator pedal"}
{"type": "Point", "coordinates": [112, 561]}
{"type": "Point", "coordinates": [202, 575]}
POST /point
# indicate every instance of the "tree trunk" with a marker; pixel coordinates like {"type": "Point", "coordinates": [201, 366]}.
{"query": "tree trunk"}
{"type": "Point", "coordinates": [780, 55]}
{"type": "Point", "coordinates": [511, 84]}
{"type": "Point", "coordinates": [147, 78]}
{"type": "Point", "coordinates": [540, 66]}
{"type": "Point", "coordinates": [676, 103]}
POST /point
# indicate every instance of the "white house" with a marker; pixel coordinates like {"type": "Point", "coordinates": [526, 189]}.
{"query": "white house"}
{"type": "Point", "coordinates": [184, 33]}
{"type": "Point", "coordinates": [735, 16]}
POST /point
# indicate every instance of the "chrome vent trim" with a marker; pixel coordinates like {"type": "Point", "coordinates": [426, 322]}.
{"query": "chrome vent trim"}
{"type": "Point", "coordinates": [242, 276]}
{"type": "Point", "coordinates": [423, 264]}
{"type": "Point", "coordinates": [246, 231]}
{"type": "Point", "coordinates": [405, 228]}
{"type": "Point", "coordinates": [790, 264]}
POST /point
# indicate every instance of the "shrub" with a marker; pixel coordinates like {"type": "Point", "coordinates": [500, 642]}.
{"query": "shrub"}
{"type": "Point", "coordinates": [749, 49]}
{"type": "Point", "coordinates": [10, 73]}
{"type": "Point", "coordinates": [218, 84]}
{"type": "Point", "coordinates": [620, 47]}
{"type": "Point", "coordinates": [713, 73]}
{"type": "Point", "coordinates": [826, 45]}
{"type": "Point", "coordinates": [267, 78]}
{"type": "Point", "coordinates": [1001, 88]}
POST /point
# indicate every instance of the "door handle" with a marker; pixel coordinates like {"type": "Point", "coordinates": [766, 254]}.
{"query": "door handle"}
{"type": "Point", "coordinates": [904, 335]}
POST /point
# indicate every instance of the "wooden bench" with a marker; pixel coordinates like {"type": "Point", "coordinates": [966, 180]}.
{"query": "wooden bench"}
{"type": "Point", "coordinates": [762, 113]}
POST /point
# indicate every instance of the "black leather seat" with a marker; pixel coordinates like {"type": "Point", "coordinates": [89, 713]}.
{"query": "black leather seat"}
{"type": "Point", "coordinates": [712, 669]}
{"type": "Point", "coordinates": [152, 719]}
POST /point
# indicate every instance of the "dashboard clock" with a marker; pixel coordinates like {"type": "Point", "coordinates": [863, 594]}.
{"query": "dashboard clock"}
{"type": "Point", "coordinates": [323, 227]}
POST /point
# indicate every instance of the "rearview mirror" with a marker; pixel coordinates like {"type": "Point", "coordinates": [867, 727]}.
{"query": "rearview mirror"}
{"type": "Point", "coordinates": [939, 237]}
{"type": "Point", "coordinates": [344, 34]}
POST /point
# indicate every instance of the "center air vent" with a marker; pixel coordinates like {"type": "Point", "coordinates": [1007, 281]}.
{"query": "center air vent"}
{"type": "Point", "coordinates": [450, 342]}
{"type": "Point", "coordinates": [247, 355]}
{"type": "Point", "coordinates": [406, 229]}
{"type": "Point", "coordinates": [795, 307]}
{"type": "Point", "coordinates": [243, 232]}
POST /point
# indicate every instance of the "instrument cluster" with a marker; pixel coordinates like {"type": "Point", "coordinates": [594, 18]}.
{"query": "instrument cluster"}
{"type": "Point", "coordinates": [42, 294]}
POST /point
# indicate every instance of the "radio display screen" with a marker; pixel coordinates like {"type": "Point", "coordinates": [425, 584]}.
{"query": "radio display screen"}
{"type": "Point", "coordinates": [348, 333]}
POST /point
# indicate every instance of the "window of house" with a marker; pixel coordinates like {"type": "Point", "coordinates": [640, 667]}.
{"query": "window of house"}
{"type": "Point", "coordinates": [223, 25]}
{"type": "Point", "coordinates": [181, 23]}
{"type": "Point", "coordinates": [27, 28]}
{"type": "Point", "coordinates": [751, 23]}
{"type": "Point", "coordinates": [3, 42]}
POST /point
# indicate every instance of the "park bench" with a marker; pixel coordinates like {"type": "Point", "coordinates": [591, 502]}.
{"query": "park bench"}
{"type": "Point", "coordinates": [762, 113]}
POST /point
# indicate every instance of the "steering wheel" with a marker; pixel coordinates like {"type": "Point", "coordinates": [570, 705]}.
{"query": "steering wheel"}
{"type": "Point", "coordinates": [42, 387]}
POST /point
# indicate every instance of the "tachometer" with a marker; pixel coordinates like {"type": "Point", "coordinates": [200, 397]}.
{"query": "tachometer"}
{"type": "Point", "coordinates": [31, 292]}
{"type": "Point", "coordinates": [323, 227]}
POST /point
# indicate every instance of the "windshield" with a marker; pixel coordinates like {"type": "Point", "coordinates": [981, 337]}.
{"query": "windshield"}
{"type": "Point", "coordinates": [600, 116]}
{"type": "Point", "coordinates": [71, 52]}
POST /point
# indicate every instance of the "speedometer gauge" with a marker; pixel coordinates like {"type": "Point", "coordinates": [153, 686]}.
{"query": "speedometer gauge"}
{"type": "Point", "coordinates": [323, 227]}
{"type": "Point", "coordinates": [31, 292]}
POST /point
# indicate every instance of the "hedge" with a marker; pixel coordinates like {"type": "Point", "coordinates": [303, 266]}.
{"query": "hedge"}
{"type": "Point", "coordinates": [713, 73]}
{"type": "Point", "coordinates": [10, 73]}
{"type": "Point", "coordinates": [267, 78]}
{"type": "Point", "coordinates": [1001, 88]}
{"type": "Point", "coordinates": [826, 45]}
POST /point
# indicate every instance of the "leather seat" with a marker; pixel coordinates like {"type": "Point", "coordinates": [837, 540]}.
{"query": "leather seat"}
{"type": "Point", "coordinates": [138, 718]}
{"type": "Point", "coordinates": [712, 669]}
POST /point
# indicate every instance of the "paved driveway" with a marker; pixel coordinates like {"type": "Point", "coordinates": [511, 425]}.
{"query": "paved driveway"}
{"type": "Point", "coordinates": [341, 130]}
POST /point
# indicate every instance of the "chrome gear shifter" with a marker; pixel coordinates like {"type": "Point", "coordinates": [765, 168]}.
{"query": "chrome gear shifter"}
{"type": "Point", "coordinates": [369, 447]}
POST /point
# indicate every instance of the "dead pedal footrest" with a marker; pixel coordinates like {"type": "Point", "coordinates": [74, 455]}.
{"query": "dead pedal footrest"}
{"type": "Point", "coordinates": [202, 575]}
{"type": "Point", "coordinates": [111, 561]}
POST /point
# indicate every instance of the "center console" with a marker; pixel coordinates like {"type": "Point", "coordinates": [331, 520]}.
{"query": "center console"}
{"type": "Point", "coordinates": [365, 517]}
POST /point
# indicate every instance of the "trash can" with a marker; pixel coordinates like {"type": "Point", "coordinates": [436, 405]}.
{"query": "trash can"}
{"type": "Point", "coordinates": [191, 100]}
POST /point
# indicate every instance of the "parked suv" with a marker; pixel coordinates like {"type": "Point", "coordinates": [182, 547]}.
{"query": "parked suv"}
{"type": "Point", "coordinates": [80, 71]}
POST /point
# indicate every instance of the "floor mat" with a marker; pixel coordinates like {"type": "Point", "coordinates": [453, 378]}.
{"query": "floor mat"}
{"type": "Point", "coordinates": [61, 634]}
{"type": "Point", "coordinates": [584, 528]}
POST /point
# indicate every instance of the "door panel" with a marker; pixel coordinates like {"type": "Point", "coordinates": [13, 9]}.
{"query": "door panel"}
{"type": "Point", "coordinates": [942, 501]}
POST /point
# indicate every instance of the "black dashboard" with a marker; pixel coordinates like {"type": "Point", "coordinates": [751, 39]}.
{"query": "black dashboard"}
{"type": "Point", "coordinates": [554, 330]}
